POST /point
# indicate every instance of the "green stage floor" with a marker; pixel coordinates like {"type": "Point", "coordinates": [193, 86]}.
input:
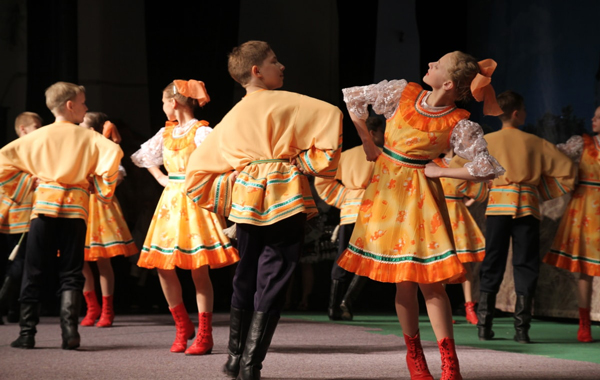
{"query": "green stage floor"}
{"type": "Point", "coordinates": [549, 338]}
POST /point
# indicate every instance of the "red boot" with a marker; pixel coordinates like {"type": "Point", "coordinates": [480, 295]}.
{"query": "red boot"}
{"type": "Point", "coordinates": [108, 313]}
{"type": "Point", "coordinates": [585, 326]}
{"type": "Point", "coordinates": [184, 326]}
{"type": "Point", "coordinates": [204, 341]}
{"type": "Point", "coordinates": [93, 308]}
{"type": "Point", "coordinates": [450, 368]}
{"type": "Point", "coordinates": [470, 311]}
{"type": "Point", "coordinates": [417, 366]}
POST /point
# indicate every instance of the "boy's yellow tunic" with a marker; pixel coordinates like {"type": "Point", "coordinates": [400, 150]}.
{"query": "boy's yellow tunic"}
{"type": "Point", "coordinates": [469, 241]}
{"type": "Point", "coordinates": [535, 169]}
{"type": "Point", "coordinates": [576, 246]}
{"type": "Point", "coordinates": [346, 190]}
{"type": "Point", "coordinates": [63, 188]}
{"type": "Point", "coordinates": [259, 137]}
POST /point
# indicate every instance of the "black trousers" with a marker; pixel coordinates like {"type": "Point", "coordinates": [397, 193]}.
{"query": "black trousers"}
{"type": "Point", "coordinates": [16, 267]}
{"type": "Point", "coordinates": [53, 244]}
{"type": "Point", "coordinates": [525, 234]}
{"type": "Point", "coordinates": [268, 258]}
{"type": "Point", "coordinates": [344, 235]}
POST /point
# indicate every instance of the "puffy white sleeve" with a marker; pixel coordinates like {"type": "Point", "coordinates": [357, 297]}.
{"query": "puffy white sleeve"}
{"type": "Point", "coordinates": [150, 153]}
{"type": "Point", "coordinates": [468, 142]}
{"type": "Point", "coordinates": [201, 134]}
{"type": "Point", "coordinates": [572, 148]}
{"type": "Point", "coordinates": [383, 97]}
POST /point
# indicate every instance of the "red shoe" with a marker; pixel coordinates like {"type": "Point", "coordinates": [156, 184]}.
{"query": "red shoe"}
{"type": "Point", "coordinates": [585, 326]}
{"type": "Point", "coordinates": [470, 311]}
{"type": "Point", "coordinates": [108, 313]}
{"type": "Point", "coordinates": [450, 368]}
{"type": "Point", "coordinates": [415, 359]}
{"type": "Point", "coordinates": [93, 308]}
{"type": "Point", "coordinates": [204, 341]}
{"type": "Point", "coordinates": [184, 326]}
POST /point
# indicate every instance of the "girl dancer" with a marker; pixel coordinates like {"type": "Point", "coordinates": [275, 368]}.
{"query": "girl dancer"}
{"type": "Point", "coordinates": [181, 234]}
{"type": "Point", "coordinates": [576, 246]}
{"type": "Point", "coordinates": [403, 233]}
{"type": "Point", "coordinates": [107, 236]}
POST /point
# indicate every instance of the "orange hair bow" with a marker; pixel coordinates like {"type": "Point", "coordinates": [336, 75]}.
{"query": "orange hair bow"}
{"type": "Point", "coordinates": [110, 131]}
{"type": "Point", "coordinates": [192, 89]}
{"type": "Point", "coordinates": [482, 90]}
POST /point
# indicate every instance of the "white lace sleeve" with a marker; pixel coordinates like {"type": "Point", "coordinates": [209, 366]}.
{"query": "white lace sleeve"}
{"type": "Point", "coordinates": [468, 142]}
{"type": "Point", "coordinates": [122, 171]}
{"type": "Point", "coordinates": [383, 97]}
{"type": "Point", "coordinates": [572, 148]}
{"type": "Point", "coordinates": [201, 134]}
{"type": "Point", "coordinates": [151, 152]}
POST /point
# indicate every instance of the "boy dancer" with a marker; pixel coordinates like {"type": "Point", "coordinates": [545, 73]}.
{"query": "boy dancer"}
{"type": "Point", "coordinates": [345, 192]}
{"type": "Point", "coordinates": [270, 138]}
{"type": "Point", "coordinates": [59, 159]}
{"type": "Point", "coordinates": [534, 168]}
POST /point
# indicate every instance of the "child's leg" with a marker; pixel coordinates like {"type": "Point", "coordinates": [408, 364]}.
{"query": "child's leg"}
{"type": "Point", "coordinates": [107, 277]}
{"type": "Point", "coordinates": [89, 285]}
{"type": "Point", "coordinates": [172, 290]}
{"type": "Point", "coordinates": [407, 307]}
{"type": "Point", "coordinates": [204, 289]}
{"type": "Point", "coordinates": [467, 285]}
{"type": "Point", "coordinates": [171, 286]}
{"type": "Point", "coordinates": [439, 309]}
{"type": "Point", "coordinates": [204, 297]}
{"type": "Point", "coordinates": [584, 290]}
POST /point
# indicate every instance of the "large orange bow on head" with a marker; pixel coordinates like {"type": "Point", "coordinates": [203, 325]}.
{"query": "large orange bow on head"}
{"type": "Point", "coordinates": [482, 89]}
{"type": "Point", "coordinates": [192, 89]}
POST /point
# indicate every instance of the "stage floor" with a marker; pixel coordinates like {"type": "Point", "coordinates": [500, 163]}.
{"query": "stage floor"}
{"type": "Point", "coordinates": [305, 346]}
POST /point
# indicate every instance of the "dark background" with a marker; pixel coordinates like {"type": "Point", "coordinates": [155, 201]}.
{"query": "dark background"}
{"type": "Point", "coordinates": [126, 52]}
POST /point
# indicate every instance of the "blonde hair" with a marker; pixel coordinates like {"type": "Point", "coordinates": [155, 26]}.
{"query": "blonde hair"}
{"type": "Point", "coordinates": [97, 120]}
{"type": "Point", "coordinates": [60, 93]}
{"type": "Point", "coordinates": [462, 73]}
{"type": "Point", "coordinates": [25, 117]}
{"type": "Point", "coordinates": [171, 93]}
{"type": "Point", "coordinates": [243, 57]}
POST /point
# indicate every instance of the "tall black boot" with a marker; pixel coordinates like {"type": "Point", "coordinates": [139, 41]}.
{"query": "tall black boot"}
{"type": "Point", "coordinates": [70, 305]}
{"type": "Point", "coordinates": [522, 318]}
{"type": "Point", "coordinates": [335, 295]}
{"type": "Point", "coordinates": [30, 317]}
{"type": "Point", "coordinates": [261, 332]}
{"type": "Point", "coordinates": [485, 315]}
{"type": "Point", "coordinates": [351, 295]}
{"type": "Point", "coordinates": [239, 324]}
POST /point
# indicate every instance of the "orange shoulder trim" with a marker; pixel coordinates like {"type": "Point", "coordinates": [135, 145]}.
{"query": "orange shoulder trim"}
{"type": "Point", "coordinates": [177, 143]}
{"type": "Point", "coordinates": [425, 120]}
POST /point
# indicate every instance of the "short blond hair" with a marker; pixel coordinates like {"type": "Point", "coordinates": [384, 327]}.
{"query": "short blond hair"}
{"type": "Point", "coordinates": [462, 73]}
{"type": "Point", "coordinates": [60, 93]}
{"type": "Point", "coordinates": [25, 117]}
{"type": "Point", "coordinates": [243, 57]}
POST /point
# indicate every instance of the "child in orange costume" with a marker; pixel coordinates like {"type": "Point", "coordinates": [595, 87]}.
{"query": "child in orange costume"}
{"type": "Point", "coordinates": [469, 241]}
{"type": "Point", "coordinates": [62, 156]}
{"type": "Point", "coordinates": [576, 246]}
{"type": "Point", "coordinates": [107, 236]}
{"type": "Point", "coordinates": [269, 138]}
{"type": "Point", "coordinates": [403, 233]}
{"type": "Point", "coordinates": [181, 234]}
{"type": "Point", "coordinates": [14, 222]}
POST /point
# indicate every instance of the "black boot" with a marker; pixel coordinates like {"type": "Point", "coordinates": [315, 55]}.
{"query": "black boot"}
{"type": "Point", "coordinates": [70, 304]}
{"type": "Point", "coordinates": [351, 295]}
{"type": "Point", "coordinates": [485, 315]}
{"type": "Point", "coordinates": [261, 332]}
{"type": "Point", "coordinates": [522, 318]}
{"type": "Point", "coordinates": [239, 324]}
{"type": "Point", "coordinates": [30, 317]}
{"type": "Point", "coordinates": [335, 295]}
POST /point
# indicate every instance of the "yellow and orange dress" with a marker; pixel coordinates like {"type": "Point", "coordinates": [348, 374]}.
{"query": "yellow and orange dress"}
{"type": "Point", "coordinates": [107, 232]}
{"type": "Point", "coordinates": [181, 234]}
{"type": "Point", "coordinates": [576, 246]}
{"type": "Point", "coordinates": [403, 231]}
{"type": "Point", "coordinates": [469, 241]}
